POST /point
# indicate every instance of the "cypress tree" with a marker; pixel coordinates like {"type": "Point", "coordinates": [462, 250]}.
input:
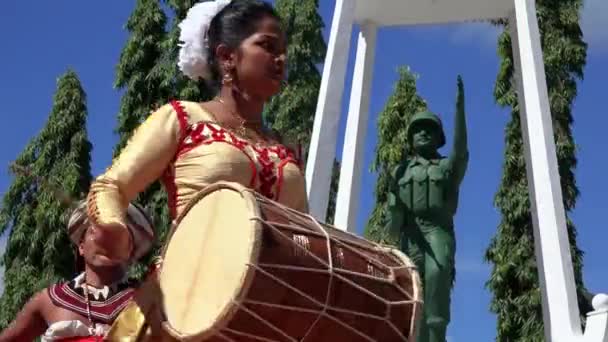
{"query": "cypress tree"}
{"type": "Point", "coordinates": [392, 147]}
{"type": "Point", "coordinates": [333, 192]}
{"type": "Point", "coordinates": [51, 172]}
{"type": "Point", "coordinates": [292, 111]}
{"type": "Point", "coordinates": [143, 92]}
{"type": "Point", "coordinates": [173, 82]}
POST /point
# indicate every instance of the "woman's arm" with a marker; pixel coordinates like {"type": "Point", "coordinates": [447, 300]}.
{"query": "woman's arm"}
{"type": "Point", "coordinates": [150, 150]}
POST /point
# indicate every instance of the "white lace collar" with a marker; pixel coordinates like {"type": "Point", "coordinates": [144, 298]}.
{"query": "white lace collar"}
{"type": "Point", "coordinates": [103, 293]}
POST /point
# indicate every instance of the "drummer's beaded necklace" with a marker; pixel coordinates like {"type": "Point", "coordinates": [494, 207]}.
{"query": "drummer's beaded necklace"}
{"type": "Point", "coordinates": [87, 301]}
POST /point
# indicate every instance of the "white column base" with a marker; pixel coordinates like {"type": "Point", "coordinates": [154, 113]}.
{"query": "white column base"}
{"type": "Point", "coordinates": [596, 329]}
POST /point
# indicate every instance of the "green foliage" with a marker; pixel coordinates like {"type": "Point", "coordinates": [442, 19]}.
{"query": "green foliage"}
{"type": "Point", "coordinates": [333, 193]}
{"type": "Point", "coordinates": [514, 279]}
{"type": "Point", "coordinates": [133, 72]}
{"type": "Point", "coordinates": [34, 210]}
{"type": "Point", "coordinates": [143, 92]}
{"type": "Point", "coordinates": [292, 111]}
{"type": "Point", "coordinates": [172, 81]}
{"type": "Point", "coordinates": [392, 147]}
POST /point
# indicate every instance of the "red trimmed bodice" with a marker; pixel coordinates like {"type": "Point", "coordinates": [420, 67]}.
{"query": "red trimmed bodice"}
{"type": "Point", "coordinates": [209, 153]}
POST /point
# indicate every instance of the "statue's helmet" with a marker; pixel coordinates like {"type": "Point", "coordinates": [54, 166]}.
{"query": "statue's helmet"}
{"type": "Point", "coordinates": [428, 117]}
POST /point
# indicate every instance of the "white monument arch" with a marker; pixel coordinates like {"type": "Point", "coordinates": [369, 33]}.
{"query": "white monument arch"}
{"type": "Point", "coordinates": [560, 309]}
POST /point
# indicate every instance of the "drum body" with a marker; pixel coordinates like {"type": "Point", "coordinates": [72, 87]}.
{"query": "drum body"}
{"type": "Point", "coordinates": [239, 267]}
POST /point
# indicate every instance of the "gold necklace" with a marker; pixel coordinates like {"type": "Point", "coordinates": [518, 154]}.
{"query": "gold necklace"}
{"type": "Point", "coordinates": [242, 129]}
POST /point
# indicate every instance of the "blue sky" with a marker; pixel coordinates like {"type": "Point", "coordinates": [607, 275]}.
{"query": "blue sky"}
{"type": "Point", "coordinates": [41, 41]}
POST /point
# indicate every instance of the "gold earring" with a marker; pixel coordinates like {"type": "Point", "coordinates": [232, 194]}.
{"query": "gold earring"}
{"type": "Point", "coordinates": [227, 79]}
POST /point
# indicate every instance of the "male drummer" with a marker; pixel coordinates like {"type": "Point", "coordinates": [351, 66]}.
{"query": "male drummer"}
{"type": "Point", "coordinates": [84, 308]}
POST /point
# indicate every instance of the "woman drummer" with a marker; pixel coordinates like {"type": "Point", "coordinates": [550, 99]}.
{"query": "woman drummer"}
{"type": "Point", "coordinates": [239, 46]}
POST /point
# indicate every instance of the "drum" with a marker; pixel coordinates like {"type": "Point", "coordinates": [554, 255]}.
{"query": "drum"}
{"type": "Point", "coordinates": [240, 267]}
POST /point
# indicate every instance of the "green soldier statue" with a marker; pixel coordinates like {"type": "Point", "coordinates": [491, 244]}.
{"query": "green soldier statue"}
{"type": "Point", "coordinates": [422, 205]}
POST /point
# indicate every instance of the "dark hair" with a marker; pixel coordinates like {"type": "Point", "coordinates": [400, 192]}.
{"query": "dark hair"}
{"type": "Point", "coordinates": [79, 263]}
{"type": "Point", "coordinates": [233, 24]}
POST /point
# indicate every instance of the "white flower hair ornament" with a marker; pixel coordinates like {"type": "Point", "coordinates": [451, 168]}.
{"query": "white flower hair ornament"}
{"type": "Point", "coordinates": [193, 52]}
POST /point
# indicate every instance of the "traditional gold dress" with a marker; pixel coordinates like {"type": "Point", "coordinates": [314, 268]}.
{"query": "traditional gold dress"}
{"type": "Point", "coordinates": [182, 144]}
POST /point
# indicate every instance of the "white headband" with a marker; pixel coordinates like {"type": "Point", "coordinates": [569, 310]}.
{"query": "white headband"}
{"type": "Point", "coordinates": [193, 52]}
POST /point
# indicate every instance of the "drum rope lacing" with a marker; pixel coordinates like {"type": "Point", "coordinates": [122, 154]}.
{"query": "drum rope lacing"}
{"type": "Point", "coordinates": [323, 312]}
{"type": "Point", "coordinates": [330, 260]}
{"type": "Point", "coordinates": [332, 272]}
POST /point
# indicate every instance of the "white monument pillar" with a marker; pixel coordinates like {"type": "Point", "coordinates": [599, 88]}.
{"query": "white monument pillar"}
{"type": "Point", "coordinates": [322, 149]}
{"type": "Point", "coordinates": [560, 304]}
{"type": "Point", "coordinates": [349, 190]}
{"type": "Point", "coordinates": [550, 234]}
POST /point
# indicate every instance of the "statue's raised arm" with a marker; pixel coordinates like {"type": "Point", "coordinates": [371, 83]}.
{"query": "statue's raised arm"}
{"type": "Point", "coordinates": [459, 157]}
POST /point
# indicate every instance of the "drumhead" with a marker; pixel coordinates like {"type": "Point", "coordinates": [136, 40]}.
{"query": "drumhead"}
{"type": "Point", "coordinates": [205, 268]}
